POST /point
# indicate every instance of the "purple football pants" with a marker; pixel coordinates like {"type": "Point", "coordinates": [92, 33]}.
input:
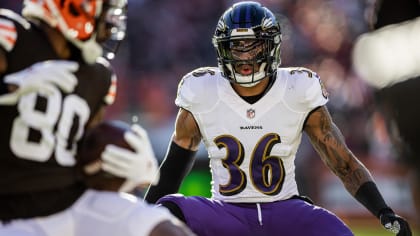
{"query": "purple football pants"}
{"type": "Point", "coordinates": [293, 217]}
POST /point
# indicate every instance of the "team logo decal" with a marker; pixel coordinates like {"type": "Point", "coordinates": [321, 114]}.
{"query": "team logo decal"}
{"type": "Point", "coordinates": [221, 26]}
{"type": "Point", "coordinates": [250, 113]}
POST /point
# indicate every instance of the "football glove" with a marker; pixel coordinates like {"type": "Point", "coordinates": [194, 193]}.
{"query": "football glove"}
{"type": "Point", "coordinates": [139, 167]}
{"type": "Point", "coordinates": [39, 78]}
{"type": "Point", "coordinates": [395, 223]}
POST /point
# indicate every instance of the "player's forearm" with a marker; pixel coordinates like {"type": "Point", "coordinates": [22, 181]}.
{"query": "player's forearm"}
{"type": "Point", "coordinates": [174, 168]}
{"type": "Point", "coordinates": [353, 174]}
{"type": "Point", "coordinates": [357, 180]}
{"type": "Point", "coordinates": [359, 183]}
{"type": "Point", "coordinates": [369, 196]}
{"type": "Point", "coordinates": [330, 145]}
{"type": "Point", "coordinates": [355, 177]}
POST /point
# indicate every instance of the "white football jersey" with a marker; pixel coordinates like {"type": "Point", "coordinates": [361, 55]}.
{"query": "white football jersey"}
{"type": "Point", "coordinates": [251, 147]}
{"type": "Point", "coordinates": [95, 213]}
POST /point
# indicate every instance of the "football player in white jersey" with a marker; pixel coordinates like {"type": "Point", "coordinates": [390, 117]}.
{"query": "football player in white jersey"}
{"type": "Point", "coordinates": [251, 114]}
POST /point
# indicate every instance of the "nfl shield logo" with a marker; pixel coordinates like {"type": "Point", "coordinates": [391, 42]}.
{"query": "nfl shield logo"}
{"type": "Point", "coordinates": [250, 113]}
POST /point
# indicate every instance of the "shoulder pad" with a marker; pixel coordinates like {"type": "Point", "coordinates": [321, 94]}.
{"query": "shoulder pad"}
{"type": "Point", "coordinates": [6, 13]}
{"type": "Point", "coordinates": [305, 90]}
{"type": "Point", "coordinates": [195, 85]}
{"type": "Point", "coordinates": [107, 72]}
{"type": "Point", "coordinates": [103, 61]}
{"type": "Point", "coordinates": [104, 66]}
{"type": "Point", "coordinates": [8, 32]}
{"type": "Point", "coordinates": [202, 72]}
{"type": "Point", "coordinates": [301, 71]}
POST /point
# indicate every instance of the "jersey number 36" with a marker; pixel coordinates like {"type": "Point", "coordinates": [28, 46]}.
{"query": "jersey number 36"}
{"type": "Point", "coordinates": [266, 171]}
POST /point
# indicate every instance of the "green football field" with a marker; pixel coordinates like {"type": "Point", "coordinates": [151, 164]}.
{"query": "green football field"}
{"type": "Point", "coordinates": [362, 227]}
{"type": "Point", "coordinates": [373, 231]}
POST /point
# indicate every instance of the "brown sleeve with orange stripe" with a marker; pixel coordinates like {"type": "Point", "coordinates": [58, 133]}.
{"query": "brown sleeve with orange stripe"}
{"type": "Point", "coordinates": [112, 91]}
{"type": "Point", "coordinates": [8, 33]}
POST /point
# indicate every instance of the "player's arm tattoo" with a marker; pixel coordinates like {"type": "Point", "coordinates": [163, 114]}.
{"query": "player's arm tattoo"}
{"type": "Point", "coordinates": [187, 134]}
{"type": "Point", "coordinates": [330, 145]}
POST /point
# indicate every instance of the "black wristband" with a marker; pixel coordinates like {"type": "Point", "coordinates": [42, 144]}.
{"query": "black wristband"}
{"type": "Point", "coordinates": [370, 197]}
{"type": "Point", "coordinates": [176, 165]}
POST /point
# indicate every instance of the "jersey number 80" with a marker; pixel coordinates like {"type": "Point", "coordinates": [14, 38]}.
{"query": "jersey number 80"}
{"type": "Point", "coordinates": [60, 125]}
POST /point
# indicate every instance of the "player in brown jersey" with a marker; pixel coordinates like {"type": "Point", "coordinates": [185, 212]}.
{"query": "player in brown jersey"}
{"type": "Point", "coordinates": [40, 130]}
{"type": "Point", "coordinates": [54, 84]}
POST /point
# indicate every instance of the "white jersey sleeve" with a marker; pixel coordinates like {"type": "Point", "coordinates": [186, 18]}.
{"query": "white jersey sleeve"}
{"type": "Point", "coordinates": [304, 89]}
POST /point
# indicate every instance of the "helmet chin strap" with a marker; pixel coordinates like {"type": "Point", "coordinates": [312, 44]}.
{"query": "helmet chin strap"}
{"type": "Point", "coordinates": [246, 80]}
{"type": "Point", "coordinates": [248, 85]}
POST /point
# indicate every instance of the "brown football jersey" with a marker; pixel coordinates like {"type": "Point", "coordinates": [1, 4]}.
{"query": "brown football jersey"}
{"type": "Point", "coordinates": [39, 135]}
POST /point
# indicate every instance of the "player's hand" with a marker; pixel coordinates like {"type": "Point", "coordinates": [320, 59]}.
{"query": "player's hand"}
{"type": "Point", "coordinates": [39, 78]}
{"type": "Point", "coordinates": [139, 167]}
{"type": "Point", "coordinates": [395, 223]}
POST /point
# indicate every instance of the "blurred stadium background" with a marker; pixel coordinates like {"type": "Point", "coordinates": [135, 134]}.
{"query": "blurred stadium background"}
{"type": "Point", "coordinates": [167, 39]}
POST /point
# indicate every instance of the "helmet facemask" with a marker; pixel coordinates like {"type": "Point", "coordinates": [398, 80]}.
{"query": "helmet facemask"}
{"type": "Point", "coordinates": [255, 54]}
{"type": "Point", "coordinates": [116, 25]}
